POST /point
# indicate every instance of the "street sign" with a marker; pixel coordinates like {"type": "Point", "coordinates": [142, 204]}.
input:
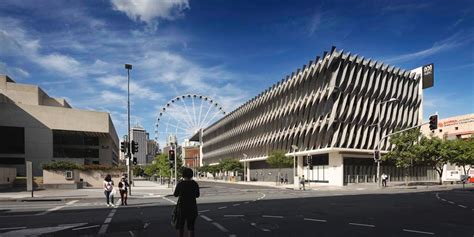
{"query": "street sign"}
{"type": "Point", "coordinates": [428, 75]}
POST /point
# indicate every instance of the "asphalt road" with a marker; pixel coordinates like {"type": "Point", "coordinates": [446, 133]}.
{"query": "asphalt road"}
{"type": "Point", "coordinates": [240, 210]}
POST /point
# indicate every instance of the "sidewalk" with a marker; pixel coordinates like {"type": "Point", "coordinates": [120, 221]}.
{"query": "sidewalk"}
{"type": "Point", "coordinates": [142, 189]}
{"type": "Point", "coordinates": [350, 187]}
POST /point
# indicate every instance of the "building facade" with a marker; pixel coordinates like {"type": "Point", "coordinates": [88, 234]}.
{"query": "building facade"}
{"type": "Point", "coordinates": [36, 127]}
{"type": "Point", "coordinates": [457, 127]}
{"type": "Point", "coordinates": [140, 136]}
{"type": "Point", "coordinates": [327, 111]}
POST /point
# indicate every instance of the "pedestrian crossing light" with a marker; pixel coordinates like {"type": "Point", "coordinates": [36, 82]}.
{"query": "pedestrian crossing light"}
{"type": "Point", "coordinates": [134, 161]}
{"type": "Point", "coordinates": [433, 122]}
{"type": "Point", "coordinates": [171, 155]}
{"type": "Point", "coordinates": [123, 147]}
{"type": "Point", "coordinates": [134, 147]}
{"type": "Point", "coordinates": [377, 155]}
{"type": "Point", "coordinates": [310, 162]}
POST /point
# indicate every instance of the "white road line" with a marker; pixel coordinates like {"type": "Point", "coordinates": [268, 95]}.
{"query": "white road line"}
{"type": "Point", "coordinates": [111, 214]}
{"type": "Point", "coordinates": [262, 197]}
{"type": "Point", "coordinates": [237, 204]}
{"type": "Point", "coordinates": [419, 232]}
{"type": "Point", "coordinates": [224, 207]}
{"type": "Point", "coordinates": [204, 211]}
{"type": "Point", "coordinates": [169, 200]}
{"type": "Point", "coordinates": [220, 227]}
{"type": "Point", "coordinates": [246, 202]}
{"type": "Point", "coordinates": [131, 233]}
{"type": "Point", "coordinates": [451, 202]}
{"type": "Point", "coordinates": [267, 216]}
{"type": "Point", "coordinates": [462, 206]}
{"type": "Point", "coordinates": [233, 215]}
{"type": "Point", "coordinates": [56, 208]}
{"type": "Point", "coordinates": [86, 227]}
{"type": "Point", "coordinates": [206, 218]}
{"type": "Point", "coordinates": [13, 228]}
{"type": "Point", "coordinates": [442, 199]}
{"type": "Point", "coordinates": [232, 235]}
{"type": "Point", "coordinates": [317, 220]}
{"type": "Point", "coordinates": [358, 224]}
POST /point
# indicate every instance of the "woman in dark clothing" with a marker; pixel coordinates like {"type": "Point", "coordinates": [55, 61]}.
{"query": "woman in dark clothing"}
{"type": "Point", "coordinates": [187, 190]}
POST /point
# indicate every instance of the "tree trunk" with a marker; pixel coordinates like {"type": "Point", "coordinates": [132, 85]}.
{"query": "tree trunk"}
{"type": "Point", "coordinates": [406, 176]}
{"type": "Point", "coordinates": [440, 173]}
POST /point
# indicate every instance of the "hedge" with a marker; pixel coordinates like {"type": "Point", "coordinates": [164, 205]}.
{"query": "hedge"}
{"type": "Point", "coordinates": [68, 165]}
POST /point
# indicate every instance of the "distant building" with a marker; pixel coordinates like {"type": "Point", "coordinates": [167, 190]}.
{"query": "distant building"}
{"type": "Point", "coordinates": [36, 127]}
{"type": "Point", "coordinates": [457, 127]}
{"type": "Point", "coordinates": [152, 149]}
{"type": "Point", "coordinates": [140, 135]}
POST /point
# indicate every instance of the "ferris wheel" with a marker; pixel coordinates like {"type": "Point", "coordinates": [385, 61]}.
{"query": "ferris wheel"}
{"type": "Point", "coordinates": [184, 115]}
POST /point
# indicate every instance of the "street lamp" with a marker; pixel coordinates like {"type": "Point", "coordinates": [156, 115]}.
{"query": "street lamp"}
{"type": "Point", "coordinates": [129, 156]}
{"type": "Point", "coordinates": [245, 166]}
{"type": "Point", "coordinates": [377, 148]}
{"type": "Point", "coordinates": [295, 148]}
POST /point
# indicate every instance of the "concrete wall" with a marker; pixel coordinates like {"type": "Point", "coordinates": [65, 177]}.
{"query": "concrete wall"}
{"type": "Point", "coordinates": [93, 178]}
{"type": "Point", "coordinates": [7, 176]}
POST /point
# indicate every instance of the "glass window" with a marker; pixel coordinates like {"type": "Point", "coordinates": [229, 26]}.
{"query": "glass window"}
{"type": "Point", "coordinates": [12, 140]}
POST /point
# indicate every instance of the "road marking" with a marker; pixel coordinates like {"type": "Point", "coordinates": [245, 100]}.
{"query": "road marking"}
{"type": "Point", "coordinates": [451, 202]}
{"type": "Point", "coordinates": [237, 204]}
{"type": "Point", "coordinates": [267, 216]}
{"type": "Point", "coordinates": [146, 225]}
{"type": "Point", "coordinates": [262, 197]}
{"type": "Point", "coordinates": [86, 227]}
{"type": "Point", "coordinates": [246, 202]}
{"type": "Point", "coordinates": [206, 218]}
{"type": "Point", "coordinates": [224, 207]}
{"type": "Point", "coordinates": [220, 227]}
{"type": "Point", "coordinates": [169, 200]}
{"type": "Point", "coordinates": [56, 208]}
{"type": "Point", "coordinates": [358, 224]}
{"type": "Point", "coordinates": [317, 220]}
{"type": "Point", "coordinates": [462, 206]}
{"type": "Point", "coordinates": [13, 228]}
{"type": "Point", "coordinates": [442, 199]}
{"type": "Point", "coordinates": [111, 214]}
{"type": "Point", "coordinates": [419, 232]}
{"type": "Point", "coordinates": [232, 235]}
{"type": "Point", "coordinates": [262, 229]}
{"type": "Point", "coordinates": [233, 215]}
{"type": "Point", "coordinates": [204, 211]}
{"type": "Point", "coordinates": [131, 233]}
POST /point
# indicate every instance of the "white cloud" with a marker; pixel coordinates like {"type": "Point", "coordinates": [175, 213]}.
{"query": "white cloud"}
{"type": "Point", "coordinates": [109, 97]}
{"type": "Point", "coordinates": [451, 42]}
{"type": "Point", "coordinates": [60, 63]}
{"type": "Point", "coordinates": [136, 89]}
{"type": "Point", "coordinates": [148, 10]}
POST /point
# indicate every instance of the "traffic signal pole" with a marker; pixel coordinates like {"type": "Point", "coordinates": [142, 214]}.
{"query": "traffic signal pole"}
{"type": "Point", "coordinates": [129, 155]}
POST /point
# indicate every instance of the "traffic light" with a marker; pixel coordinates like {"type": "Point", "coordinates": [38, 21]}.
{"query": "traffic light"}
{"type": "Point", "coordinates": [171, 155]}
{"type": "Point", "coordinates": [434, 122]}
{"type": "Point", "coordinates": [123, 147]}
{"type": "Point", "coordinates": [134, 161]}
{"type": "Point", "coordinates": [376, 155]}
{"type": "Point", "coordinates": [134, 147]}
{"type": "Point", "coordinates": [171, 164]}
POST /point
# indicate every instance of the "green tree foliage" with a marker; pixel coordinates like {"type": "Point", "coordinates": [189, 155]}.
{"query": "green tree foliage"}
{"type": "Point", "coordinates": [138, 170]}
{"type": "Point", "coordinates": [465, 153]}
{"type": "Point", "coordinates": [277, 159]}
{"type": "Point", "coordinates": [434, 152]}
{"type": "Point", "coordinates": [230, 165]}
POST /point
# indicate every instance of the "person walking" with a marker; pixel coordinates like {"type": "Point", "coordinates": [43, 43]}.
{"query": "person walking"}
{"type": "Point", "coordinates": [123, 187]}
{"type": "Point", "coordinates": [302, 182]}
{"type": "Point", "coordinates": [384, 179]}
{"type": "Point", "coordinates": [108, 190]}
{"type": "Point", "coordinates": [286, 178]}
{"type": "Point", "coordinates": [187, 191]}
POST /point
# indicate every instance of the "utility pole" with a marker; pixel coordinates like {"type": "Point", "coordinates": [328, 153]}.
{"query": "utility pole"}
{"type": "Point", "coordinates": [377, 148]}
{"type": "Point", "coordinates": [129, 155]}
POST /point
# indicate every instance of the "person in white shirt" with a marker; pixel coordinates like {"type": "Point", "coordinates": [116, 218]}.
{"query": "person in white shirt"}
{"type": "Point", "coordinates": [384, 179]}
{"type": "Point", "coordinates": [108, 189]}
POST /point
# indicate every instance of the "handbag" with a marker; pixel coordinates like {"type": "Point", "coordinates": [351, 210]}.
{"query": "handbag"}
{"type": "Point", "coordinates": [176, 212]}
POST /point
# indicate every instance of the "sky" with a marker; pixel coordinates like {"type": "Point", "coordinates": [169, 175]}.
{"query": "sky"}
{"type": "Point", "coordinates": [229, 51]}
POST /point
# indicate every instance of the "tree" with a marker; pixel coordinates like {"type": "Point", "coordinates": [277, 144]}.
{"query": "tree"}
{"type": "Point", "coordinates": [405, 153]}
{"type": "Point", "coordinates": [434, 152]}
{"type": "Point", "coordinates": [231, 165]}
{"type": "Point", "coordinates": [138, 170]}
{"type": "Point", "coordinates": [277, 159]}
{"type": "Point", "coordinates": [464, 155]}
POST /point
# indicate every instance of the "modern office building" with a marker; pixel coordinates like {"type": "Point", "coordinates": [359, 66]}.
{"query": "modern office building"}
{"type": "Point", "coordinates": [36, 127]}
{"type": "Point", "coordinates": [327, 110]}
{"type": "Point", "coordinates": [140, 136]}
{"type": "Point", "coordinates": [152, 149]}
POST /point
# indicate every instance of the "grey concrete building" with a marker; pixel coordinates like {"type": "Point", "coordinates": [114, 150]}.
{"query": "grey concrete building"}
{"type": "Point", "coordinates": [139, 135]}
{"type": "Point", "coordinates": [36, 127]}
{"type": "Point", "coordinates": [327, 109]}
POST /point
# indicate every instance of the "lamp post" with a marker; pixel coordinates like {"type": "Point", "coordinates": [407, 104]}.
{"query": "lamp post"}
{"type": "Point", "coordinates": [129, 156]}
{"type": "Point", "coordinates": [245, 167]}
{"type": "Point", "coordinates": [377, 148]}
{"type": "Point", "coordinates": [295, 148]}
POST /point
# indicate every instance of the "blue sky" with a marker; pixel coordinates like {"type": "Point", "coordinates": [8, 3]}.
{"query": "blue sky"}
{"type": "Point", "coordinates": [228, 50]}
